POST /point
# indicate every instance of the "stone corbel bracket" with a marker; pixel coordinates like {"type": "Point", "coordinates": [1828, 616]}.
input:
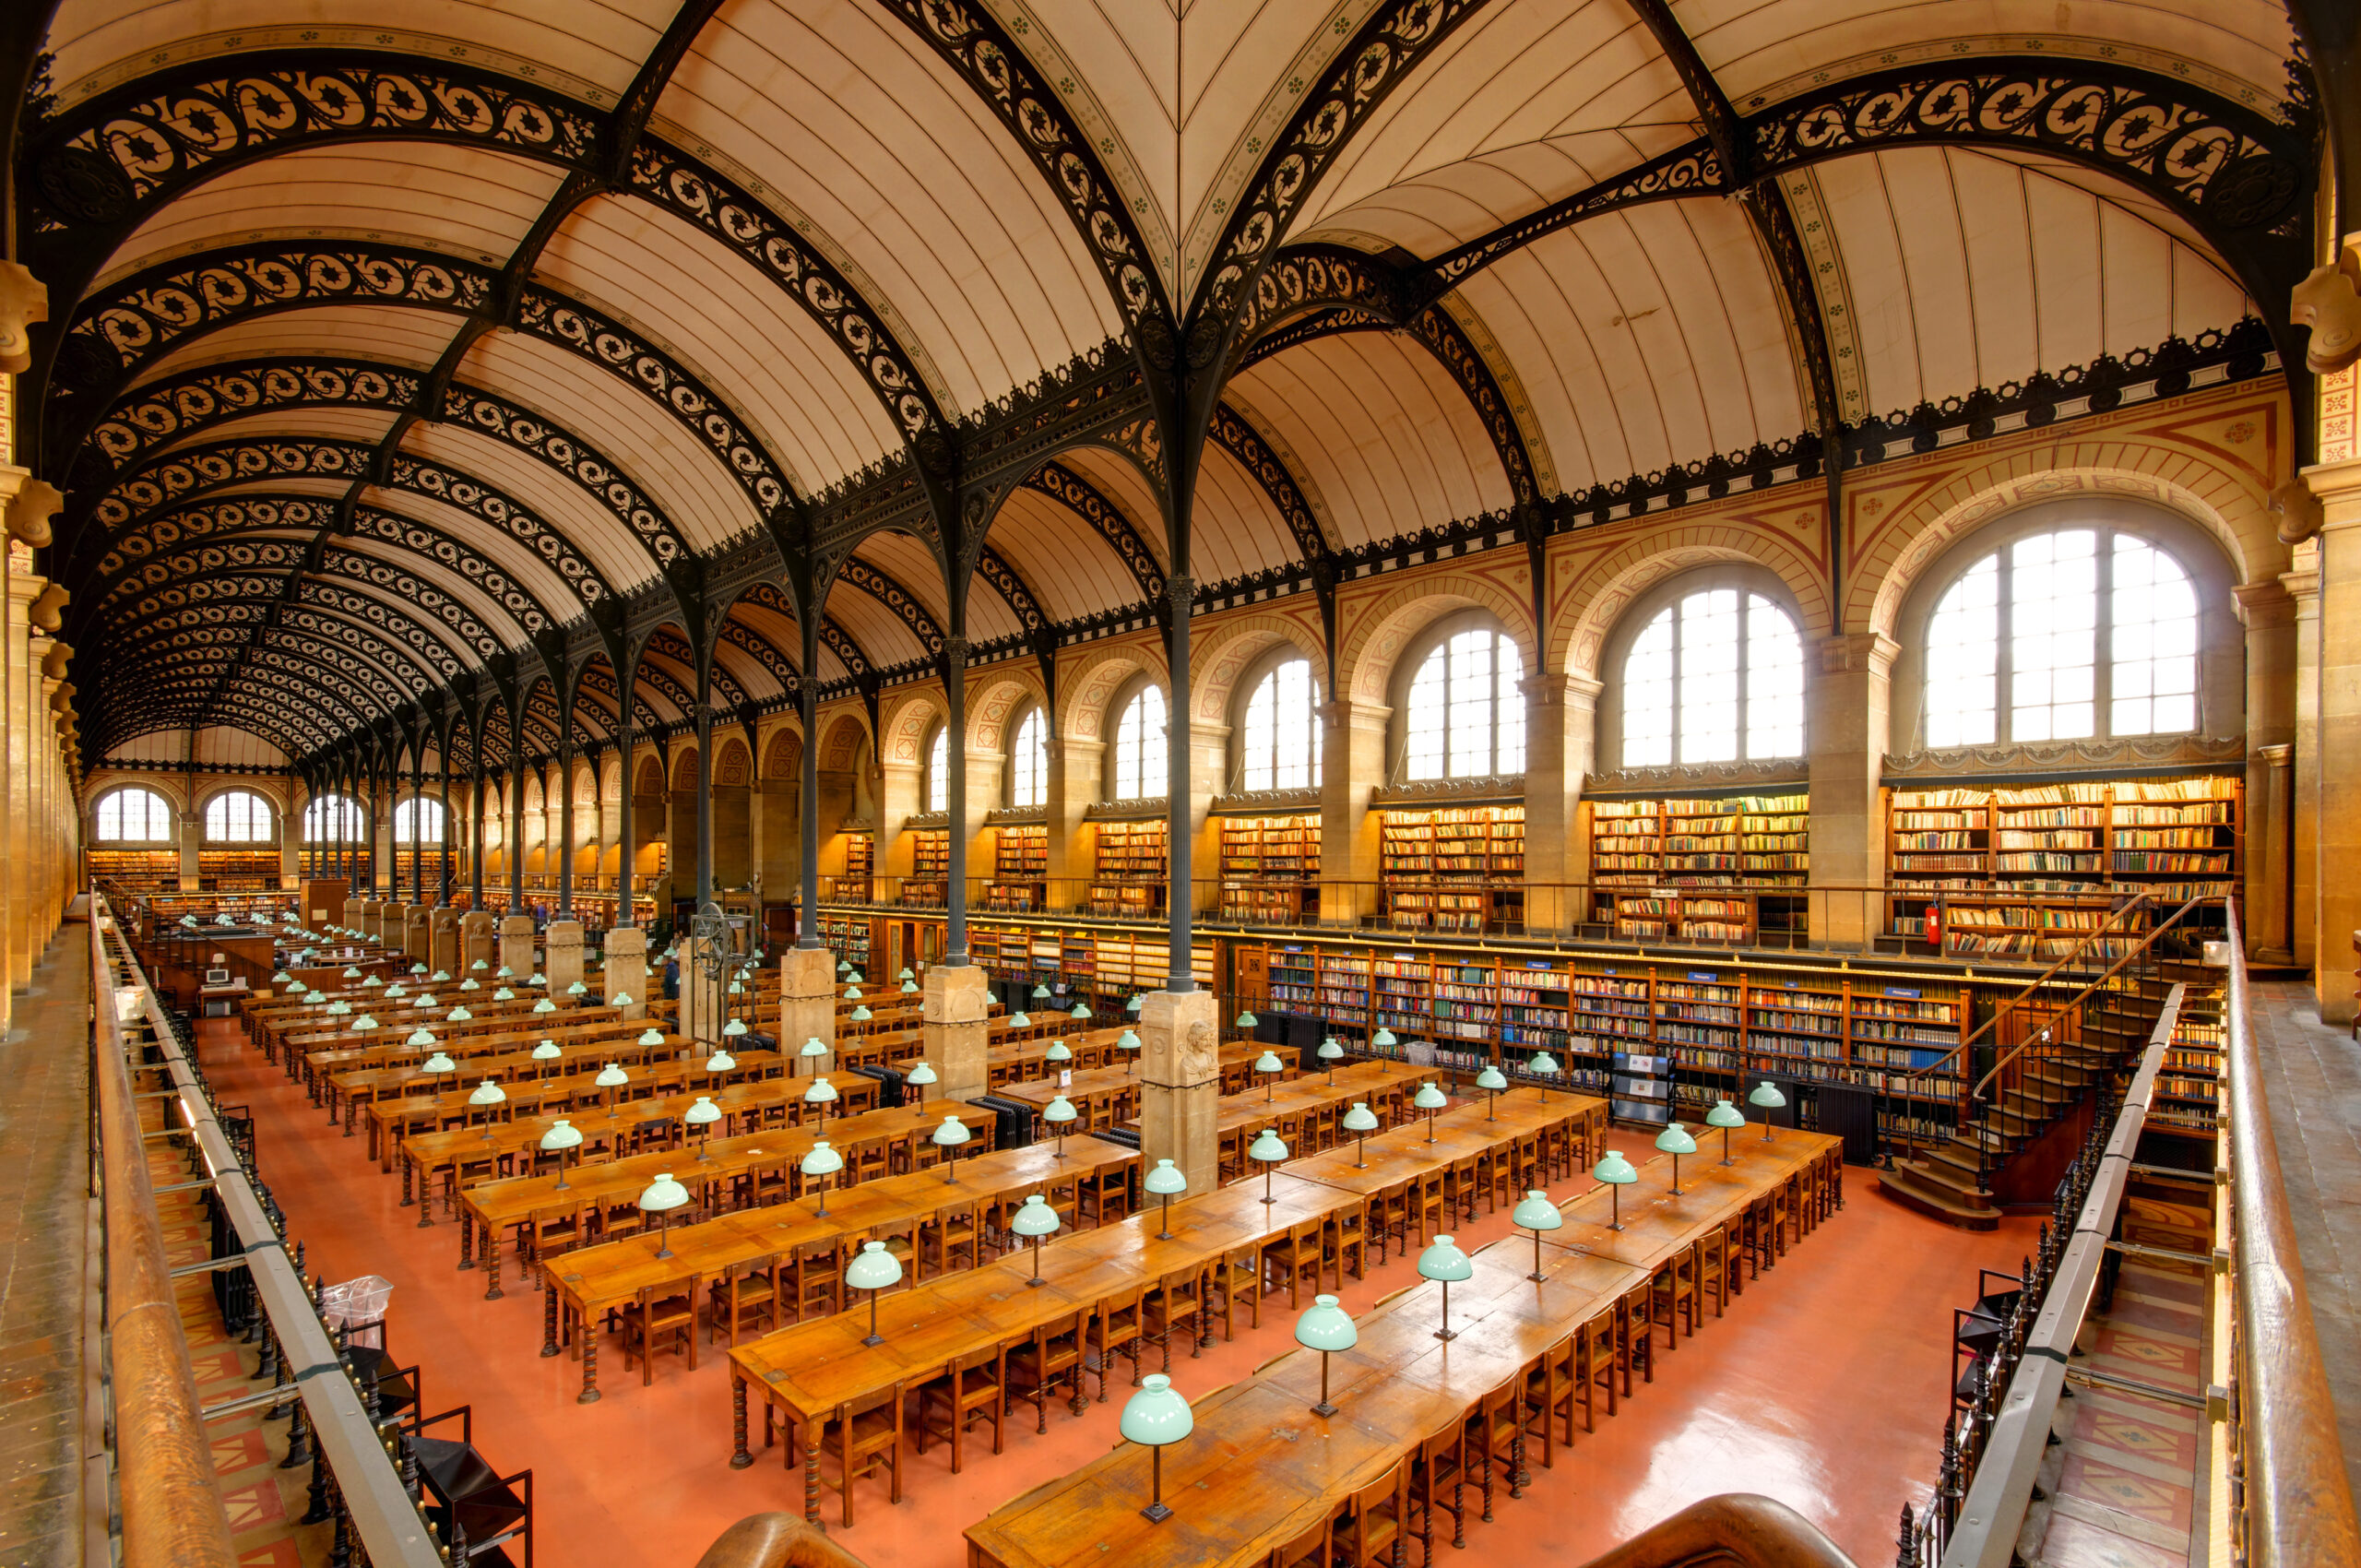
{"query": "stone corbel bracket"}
{"type": "Point", "coordinates": [24, 300]}
{"type": "Point", "coordinates": [2329, 302]}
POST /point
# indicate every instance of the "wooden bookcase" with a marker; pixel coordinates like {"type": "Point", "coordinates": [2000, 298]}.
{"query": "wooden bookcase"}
{"type": "Point", "coordinates": [1270, 869]}
{"type": "Point", "coordinates": [847, 938]}
{"type": "Point", "coordinates": [1718, 871]}
{"type": "Point", "coordinates": [138, 871]}
{"type": "Point", "coordinates": [929, 880]}
{"type": "Point", "coordinates": [861, 856]}
{"type": "Point", "coordinates": [1453, 869]}
{"type": "Point", "coordinates": [1020, 868]}
{"type": "Point", "coordinates": [2189, 1087]}
{"type": "Point", "coordinates": [1133, 870]}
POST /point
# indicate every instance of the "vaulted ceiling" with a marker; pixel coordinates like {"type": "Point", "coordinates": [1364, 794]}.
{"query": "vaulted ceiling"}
{"type": "Point", "coordinates": [394, 364]}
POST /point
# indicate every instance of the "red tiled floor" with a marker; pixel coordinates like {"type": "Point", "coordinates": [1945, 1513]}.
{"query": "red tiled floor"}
{"type": "Point", "coordinates": [1823, 1387]}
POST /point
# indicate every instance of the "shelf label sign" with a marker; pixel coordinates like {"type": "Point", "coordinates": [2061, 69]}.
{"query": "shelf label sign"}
{"type": "Point", "coordinates": [1911, 992]}
{"type": "Point", "coordinates": [1703, 975]}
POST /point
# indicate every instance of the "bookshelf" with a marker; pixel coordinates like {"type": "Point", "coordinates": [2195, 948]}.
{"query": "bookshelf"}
{"type": "Point", "coordinates": [847, 938]}
{"type": "Point", "coordinates": [930, 879]}
{"type": "Point", "coordinates": [2188, 1099]}
{"type": "Point", "coordinates": [1133, 870]}
{"type": "Point", "coordinates": [1020, 867]}
{"type": "Point", "coordinates": [138, 871]}
{"type": "Point", "coordinates": [1718, 871]}
{"type": "Point", "coordinates": [1453, 869]}
{"type": "Point", "coordinates": [861, 856]}
{"type": "Point", "coordinates": [1270, 869]}
{"type": "Point", "coordinates": [253, 867]}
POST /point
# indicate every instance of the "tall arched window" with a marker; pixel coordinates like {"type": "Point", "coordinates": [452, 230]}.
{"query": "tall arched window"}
{"type": "Point", "coordinates": [134, 816]}
{"type": "Point", "coordinates": [429, 811]}
{"type": "Point", "coordinates": [1279, 741]}
{"type": "Point", "coordinates": [1464, 716]}
{"type": "Point", "coordinates": [938, 771]}
{"type": "Point", "coordinates": [237, 817]}
{"type": "Point", "coordinates": [1141, 762]}
{"type": "Point", "coordinates": [1715, 677]}
{"type": "Point", "coordinates": [1029, 761]}
{"type": "Point", "coordinates": [2046, 638]}
{"type": "Point", "coordinates": [331, 818]}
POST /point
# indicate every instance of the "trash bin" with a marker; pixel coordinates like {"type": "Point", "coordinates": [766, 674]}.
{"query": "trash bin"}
{"type": "Point", "coordinates": [359, 1306]}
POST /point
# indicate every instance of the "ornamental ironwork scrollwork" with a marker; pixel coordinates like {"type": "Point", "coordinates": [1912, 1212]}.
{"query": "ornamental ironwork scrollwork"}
{"type": "Point", "coordinates": [994, 568]}
{"type": "Point", "coordinates": [421, 539]}
{"type": "Point", "coordinates": [742, 638]}
{"type": "Point", "coordinates": [369, 569]}
{"type": "Point", "coordinates": [174, 409]}
{"type": "Point", "coordinates": [1689, 170]}
{"type": "Point", "coordinates": [1310, 278]}
{"type": "Point", "coordinates": [895, 598]}
{"type": "Point", "coordinates": [1108, 520]}
{"type": "Point", "coordinates": [178, 476]}
{"type": "Point", "coordinates": [473, 496]}
{"type": "Point", "coordinates": [1435, 328]}
{"type": "Point", "coordinates": [487, 414]}
{"type": "Point", "coordinates": [1230, 431]}
{"type": "Point", "coordinates": [335, 599]}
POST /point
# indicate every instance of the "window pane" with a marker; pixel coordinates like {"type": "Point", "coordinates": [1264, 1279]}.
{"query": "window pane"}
{"type": "Point", "coordinates": [2154, 641]}
{"type": "Point", "coordinates": [1509, 676]}
{"type": "Point", "coordinates": [2053, 614]}
{"type": "Point", "coordinates": [938, 773]}
{"type": "Point", "coordinates": [1028, 763]}
{"type": "Point", "coordinates": [1774, 681]}
{"type": "Point", "coordinates": [1647, 695]}
{"type": "Point", "coordinates": [1709, 654]}
{"type": "Point", "coordinates": [1963, 659]}
{"type": "Point", "coordinates": [1256, 744]}
{"type": "Point", "coordinates": [1424, 725]}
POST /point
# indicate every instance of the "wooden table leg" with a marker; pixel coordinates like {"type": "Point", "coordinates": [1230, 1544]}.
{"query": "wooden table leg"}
{"type": "Point", "coordinates": [549, 1317]}
{"type": "Point", "coordinates": [812, 1473]}
{"type": "Point", "coordinates": [406, 1179]}
{"type": "Point", "coordinates": [741, 1457]}
{"type": "Point", "coordinates": [467, 1240]}
{"type": "Point", "coordinates": [492, 1257]}
{"type": "Point", "coordinates": [589, 1394]}
{"type": "Point", "coordinates": [351, 1109]}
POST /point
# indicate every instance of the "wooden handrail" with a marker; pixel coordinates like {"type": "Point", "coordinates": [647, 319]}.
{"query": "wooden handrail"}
{"type": "Point", "coordinates": [2030, 987]}
{"type": "Point", "coordinates": [1740, 1529]}
{"type": "Point", "coordinates": [776, 1540]}
{"type": "Point", "coordinates": [2299, 1501]}
{"type": "Point", "coordinates": [173, 1511]}
{"type": "Point", "coordinates": [2077, 999]}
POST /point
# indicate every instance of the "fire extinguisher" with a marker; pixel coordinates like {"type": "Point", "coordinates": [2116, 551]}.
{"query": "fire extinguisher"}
{"type": "Point", "coordinates": [1935, 927]}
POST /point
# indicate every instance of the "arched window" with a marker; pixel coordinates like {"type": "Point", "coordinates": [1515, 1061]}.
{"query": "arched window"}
{"type": "Point", "coordinates": [429, 811]}
{"type": "Point", "coordinates": [1464, 716]}
{"type": "Point", "coordinates": [134, 816]}
{"type": "Point", "coordinates": [938, 771]}
{"type": "Point", "coordinates": [1029, 761]}
{"type": "Point", "coordinates": [2049, 637]}
{"type": "Point", "coordinates": [1142, 767]}
{"type": "Point", "coordinates": [1715, 677]}
{"type": "Point", "coordinates": [237, 817]}
{"type": "Point", "coordinates": [1279, 741]}
{"type": "Point", "coordinates": [336, 818]}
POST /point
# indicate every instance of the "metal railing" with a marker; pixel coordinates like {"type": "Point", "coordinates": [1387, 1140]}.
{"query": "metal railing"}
{"type": "Point", "coordinates": [170, 1497]}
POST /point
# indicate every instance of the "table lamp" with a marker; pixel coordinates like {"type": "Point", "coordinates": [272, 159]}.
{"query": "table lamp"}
{"type": "Point", "coordinates": [844, 966]}
{"type": "Point", "coordinates": [370, 982]}
{"type": "Point", "coordinates": [1384, 1039]}
{"type": "Point", "coordinates": [1325, 1327]}
{"type": "Point", "coordinates": [651, 1035]}
{"type": "Point", "coordinates": [1033, 1221]}
{"type": "Point", "coordinates": [1360, 1122]}
{"type": "Point", "coordinates": [662, 1196]}
{"type": "Point", "coordinates": [1127, 1042]}
{"type": "Point", "coordinates": [545, 1053]}
{"type": "Point", "coordinates": [1134, 1006]}
{"type": "Point", "coordinates": [1674, 1141]}
{"type": "Point", "coordinates": [811, 1051]}
{"type": "Point", "coordinates": [545, 1006]}
{"type": "Point", "coordinates": [948, 1137]}
{"type": "Point", "coordinates": [457, 1015]}
{"type": "Point", "coordinates": [1167, 1181]}
{"type": "Point", "coordinates": [441, 977]}
{"type": "Point", "coordinates": [1270, 1066]}
{"type": "Point", "coordinates": [1040, 992]}
{"type": "Point", "coordinates": [1153, 1417]}
{"type": "Point", "coordinates": [1443, 1262]}
{"type": "Point", "coordinates": [1058, 1113]}
{"type": "Point", "coordinates": [720, 1061]}
{"type": "Point", "coordinates": [737, 989]}
{"type": "Point", "coordinates": [861, 1014]}
{"type": "Point", "coordinates": [487, 1094]}
{"type": "Point", "coordinates": [1430, 1100]}
{"type": "Point", "coordinates": [906, 973]}
{"type": "Point", "coordinates": [339, 1008]}
{"type": "Point", "coordinates": [820, 1094]}
{"type": "Point", "coordinates": [420, 968]}
{"type": "Point", "coordinates": [1543, 1066]}
{"type": "Point", "coordinates": [610, 1078]}
{"type": "Point", "coordinates": [437, 1064]}
{"type": "Point", "coordinates": [395, 993]}
{"type": "Point", "coordinates": [1247, 1021]}
{"type": "Point", "coordinates": [1617, 1173]}
{"type": "Point", "coordinates": [1766, 1098]}
{"type": "Point", "coordinates": [469, 984]}
{"type": "Point", "coordinates": [876, 1270]}
{"type": "Point", "coordinates": [1536, 1214]}
{"type": "Point", "coordinates": [920, 1078]}
{"type": "Point", "coordinates": [1725, 1115]}
{"type": "Point", "coordinates": [364, 1022]}
{"type": "Point", "coordinates": [1081, 1010]}
{"type": "Point", "coordinates": [620, 999]}
{"type": "Point", "coordinates": [853, 993]}
{"type": "Point", "coordinates": [1332, 1050]}
{"type": "Point", "coordinates": [315, 998]}
{"type": "Point", "coordinates": [563, 1135]}
{"type": "Point", "coordinates": [1491, 1082]}
{"type": "Point", "coordinates": [352, 973]}
{"type": "Point", "coordinates": [1270, 1149]}
{"type": "Point", "coordinates": [910, 988]}
{"type": "Point", "coordinates": [426, 999]}
{"type": "Point", "coordinates": [504, 972]}
{"type": "Point", "coordinates": [535, 977]}
{"type": "Point", "coordinates": [1059, 1051]}
{"type": "Point", "coordinates": [855, 977]}
{"type": "Point", "coordinates": [578, 988]}
{"type": "Point", "coordinates": [820, 1164]}
{"type": "Point", "coordinates": [701, 1116]}
{"type": "Point", "coordinates": [281, 978]}
{"type": "Point", "coordinates": [735, 1029]}
{"type": "Point", "coordinates": [478, 964]}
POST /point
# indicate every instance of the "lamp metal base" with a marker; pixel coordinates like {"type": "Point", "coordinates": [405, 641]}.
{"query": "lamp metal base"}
{"type": "Point", "coordinates": [1156, 1513]}
{"type": "Point", "coordinates": [1446, 1334]}
{"type": "Point", "coordinates": [873, 1340]}
{"type": "Point", "coordinates": [1537, 1276]}
{"type": "Point", "coordinates": [1323, 1408]}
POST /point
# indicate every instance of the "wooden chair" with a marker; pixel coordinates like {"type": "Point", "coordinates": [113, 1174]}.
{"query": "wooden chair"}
{"type": "Point", "coordinates": [1549, 1398]}
{"type": "Point", "coordinates": [1674, 1296]}
{"type": "Point", "coordinates": [1346, 1241]}
{"type": "Point", "coordinates": [1389, 1218]}
{"type": "Point", "coordinates": [1054, 1356]}
{"type": "Point", "coordinates": [560, 1228]}
{"type": "Point", "coordinates": [1289, 1258]}
{"type": "Point", "coordinates": [1713, 1252]}
{"type": "Point", "coordinates": [1463, 1181]}
{"type": "Point", "coordinates": [1119, 1327]}
{"type": "Point", "coordinates": [816, 1270]}
{"type": "Point", "coordinates": [1177, 1303]}
{"type": "Point", "coordinates": [666, 1311]}
{"type": "Point", "coordinates": [1496, 1439]}
{"type": "Point", "coordinates": [1593, 1366]}
{"type": "Point", "coordinates": [1439, 1462]}
{"type": "Point", "coordinates": [1106, 1194]}
{"type": "Point", "coordinates": [747, 1294]}
{"type": "Point", "coordinates": [1635, 1336]}
{"type": "Point", "coordinates": [1375, 1522]}
{"type": "Point", "coordinates": [1312, 1548]}
{"type": "Point", "coordinates": [870, 1159]}
{"type": "Point", "coordinates": [1237, 1277]}
{"type": "Point", "coordinates": [956, 1238]}
{"type": "Point", "coordinates": [868, 1432]}
{"type": "Point", "coordinates": [972, 1388]}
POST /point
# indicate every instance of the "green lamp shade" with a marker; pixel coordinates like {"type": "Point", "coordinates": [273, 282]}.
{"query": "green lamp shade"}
{"type": "Point", "coordinates": [1430, 1098]}
{"type": "Point", "coordinates": [874, 1269]}
{"type": "Point", "coordinates": [487, 1093]}
{"type": "Point", "coordinates": [737, 989]}
{"type": "Point", "coordinates": [1247, 1020]}
{"type": "Point", "coordinates": [578, 988]}
{"type": "Point", "coordinates": [952, 1133]}
{"type": "Point", "coordinates": [1723, 1114]}
{"type": "Point", "coordinates": [611, 1076]}
{"type": "Point", "coordinates": [853, 993]}
{"type": "Point", "coordinates": [1040, 992]}
{"type": "Point", "coordinates": [317, 996]}
{"type": "Point", "coordinates": [844, 966]}
{"type": "Point", "coordinates": [391, 992]}
{"type": "Point", "coordinates": [352, 973]}
{"type": "Point", "coordinates": [1060, 1109]}
{"type": "Point", "coordinates": [459, 1015]}
{"type": "Point", "coordinates": [535, 977]}
{"type": "Point", "coordinates": [478, 964]}
{"type": "Point", "coordinates": [1360, 1118]}
{"type": "Point", "coordinates": [651, 1037]}
{"type": "Point", "coordinates": [1536, 1212]}
{"type": "Point", "coordinates": [1132, 1006]}
{"type": "Point", "coordinates": [1675, 1139]}
{"type": "Point", "coordinates": [502, 994]}
{"type": "Point", "coordinates": [426, 999]}
{"type": "Point", "coordinates": [563, 1135]}
{"type": "Point", "coordinates": [1543, 1064]}
{"type": "Point", "coordinates": [720, 1061]}
{"type": "Point", "coordinates": [339, 1008]}
{"type": "Point", "coordinates": [812, 1047]}
{"type": "Point", "coordinates": [1490, 1078]}
{"type": "Point", "coordinates": [854, 976]}
{"type": "Point", "coordinates": [1127, 1040]}
{"type": "Point", "coordinates": [365, 1022]}
{"type": "Point", "coordinates": [663, 1193]}
{"type": "Point", "coordinates": [1444, 1261]}
{"type": "Point", "coordinates": [922, 1075]}
{"type": "Point", "coordinates": [906, 973]}
{"type": "Point", "coordinates": [703, 1113]}
{"type": "Point", "coordinates": [368, 982]}
{"type": "Point", "coordinates": [1269, 1063]}
{"type": "Point", "coordinates": [1268, 1146]}
{"type": "Point", "coordinates": [440, 976]}
{"type": "Point", "coordinates": [861, 1014]}
{"type": "Point", "coordinates": [820, 1093]}
{"type": "Point", "coordinates": [544, 1006]}
{"type": "Point", "coordinates": [504, 972]}
{"type": "Point", "coordinates": [822, 1160]}
{"type": "Point", "coordinates": [1020, 1020]}
{"type": "Point", "coordinates": [1384, 1037]}
{"type": "Point", "coordinates": [1156, 1414]}
{"type": "Point", "coordinates": [734, 1028]}
{"type": "Point", "coordinates": [1615, 1170]}
{"type": "Point", "coordinates": [1167, 1180]}
{"type": "Point", "coordinates": [1332, 1048]}
{"type": "Point", "coordinates": [1324, 1326]}
{"type": "Point", "coordinates": [620, 999]}
{"type": "Point", "coordinates": [910, 988]}
{"type": "Point", "coordinates": [1036, 1218]}
{"type": "Point", "coordinates": [547, 1051]}
{"type": "Point", "coordinates": [438, 1063]}
{"type": "Point", "coordinates": [1766, 1095]}
{"type": "Point", "coordinates": [1059, 1051]}
{"type": "Point", "coordinates": [281, 978]}
{"type": "Point", "coordinates": [471, 985]}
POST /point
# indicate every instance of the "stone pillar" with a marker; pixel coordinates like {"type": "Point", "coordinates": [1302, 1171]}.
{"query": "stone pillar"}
{"type": "Point", "coordinates": [1208, 776]}
{"type": "Point", "coordinates": [1560, 743]}
{"type": "Point", "coordinates": [562, 955]}
{"type": "Point", "coordinates": [900, 799]}
{"type": "Point", "coordinates": [444, 950]}
{"type": "Point", "coordinates": [1076, 784]}
{"type": "Point", "coordinates": [373, 920]}
{"type": "Point", "coordinates": [1180, 1085]}
{"type": "Point", "coordinates": [2270, 796]}
{"type": "Point", "coordinates": [1845, 724]}
{"type": "Point", "coordinates": [1352, 768]}
{"type": "Point", "coordinates": [15, 718]}
{"type": "Point", "coordinates": [806, 1002]}
{"type": "Point", "coordinates": [517, 944]}
{"type": "Point", "coordinates": [2303, 584]}
{"type": "Point", "coordinates": [479, 932]}
{"type": "Point", "coordinates": [2338, 487]}
{"type": "Point", "coordinates": [355, 915]}
{"type": "Point", "coordinates": [953, 1028]}
{"type": "Point", "coordinates": [2269, 612]}
{"type": "Point", "coordinates": [704, 1005]}
{"type": "Point", "coordinates": [418, 937]}
{"type": "Point", "coordinates": [189, 838]}
{"type": "Point", "coordinates": [626, 971]}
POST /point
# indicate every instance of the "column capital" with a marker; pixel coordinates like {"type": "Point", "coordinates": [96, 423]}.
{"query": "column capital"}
{"type": "Point", "coordinates": [1355, 715]}
{"type": "Point", "coordinates": [2277, 757]}
{"type": "Point", "coordinates": [1856, 652]}
{"type": "Point", "coordinates": [2265, 604]}
{"type": "Point", "coordinates": [1544, 689]}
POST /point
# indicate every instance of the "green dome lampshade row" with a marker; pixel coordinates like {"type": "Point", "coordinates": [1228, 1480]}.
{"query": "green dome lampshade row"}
{"type": "Point", "coordinates": [1153, 1417]}
{"type": "Point", "coordinates": [1444, 1264]}
{"type": "Point", "coordinates": [1327, 1328]}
